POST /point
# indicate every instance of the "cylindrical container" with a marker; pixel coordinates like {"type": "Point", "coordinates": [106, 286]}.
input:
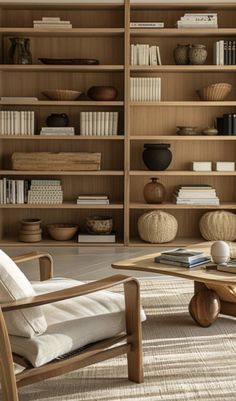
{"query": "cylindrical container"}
{"type": "Point", "coordinates": [157, 156]}
{"type": "Point", "coordinates": [154, 191]}
{"type": "Point", "coordinates": [197, 54]}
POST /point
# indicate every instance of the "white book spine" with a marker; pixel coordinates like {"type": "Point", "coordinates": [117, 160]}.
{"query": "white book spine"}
{"type": "Point", "coordinates": [102, 123]}
{"type": "Point", "coordinates": [115, 123]}
{"type": "Point", "coordinates": [107, 123]}
{"type": "Point", "coordinates": [94, 122]}
{"type": "Point", "coordinates": [1, 123]}
{"type": "Point", "coordinates": [82, 123]}
{"type": "Point", "coordinates": [110, 128]}
{"type": "Point", "coordinates": [90, 123]}
{"type": "Point", "coordinates": [99, 123]}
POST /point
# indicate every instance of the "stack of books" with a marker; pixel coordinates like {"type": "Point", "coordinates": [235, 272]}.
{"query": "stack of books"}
{"type": "Point", "coordinates": [198, 20]}
{"type": "Point", "coordinates": [45, 192]}
{"type": "Point", "coordinates": [182, 257]}
{"type": "Point", "coordinates": [229, 267]}
{"type": "Point", "coordinates": [98, 123]}
{"type": "Point", "coordinates": [145, 55]}
{"type": "Point", "coordinates": [52, 23]}
{"type": "Point", "coordinates": [147, 25]}
{"type": "Point", "coordinates": [57, 131]}
{"type": "Point", "coordinates": [145, 89]}
{"type": "Point", "coordinates": [97, 238]}
{"type": "Point", "coordinates": [93, 200]}
{"type": "Point", "coordinates": [13, 191]}
{"type": "Point", "coordinates": [224, 52]}
{"type": "Point", "coordinates": [16, 122]}
{"type": "Point", "coordinates": [196, 195]}
{"type": "Point", "coordinates": [226, 125]}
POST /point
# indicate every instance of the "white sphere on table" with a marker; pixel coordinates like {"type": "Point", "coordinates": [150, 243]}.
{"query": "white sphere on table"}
{"type": "Point", "coordinates": [220, 252]}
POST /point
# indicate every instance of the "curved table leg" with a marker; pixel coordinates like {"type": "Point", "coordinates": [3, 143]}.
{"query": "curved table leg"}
{"type": "Point", "coordinates": [204, 306]}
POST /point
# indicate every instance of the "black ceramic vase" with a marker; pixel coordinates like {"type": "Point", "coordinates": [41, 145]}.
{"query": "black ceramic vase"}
{"type": "Point", "coordinates": [157, 156]}
{"type": "Point", "coordinates": [57, 120]}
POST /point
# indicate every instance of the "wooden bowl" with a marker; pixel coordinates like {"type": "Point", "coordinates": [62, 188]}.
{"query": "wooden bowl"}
{"type": "Point", "coordinates": [215, 92]}
{"type": "Point", "coordinates": [30, 225]}
{"type": "Point", "coordinates": [99, 225]}
{"type": "Point", "coordinates": [61, 94]}
{"type": "Point", "coordinates": [62, 232]}
{"type": "Point", "coordinates": [102, 93]}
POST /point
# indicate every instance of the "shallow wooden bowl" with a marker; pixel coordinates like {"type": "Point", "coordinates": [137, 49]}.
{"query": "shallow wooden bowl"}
{"type": "Point", "coordinates": [61, 94]}
{"type": "Point", "coordinates": [62, 232]}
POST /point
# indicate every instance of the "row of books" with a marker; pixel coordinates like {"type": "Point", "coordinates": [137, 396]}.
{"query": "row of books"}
{"type": "Point", "coordinates": [16, 122]}
{"type": "Point", "coordinates": [52, 23]}
{"type": "Point", "coordinates": [182, 257]}
{"type": "Point", "coordinates": [50, 131]}
{"type": "Point", "coordinates": [145, 55]}
{"type": "Point", "coordinates": [93, 200]}
{"type": "Point", "coordinates": [198, 20]}
{"type": "Point", "coordinates": [98, 123]}
{"type": "Point", "coordinates": [226, 125]}
{"type": "Point", "coordinates": [196, 195]}
{"type": "Point", "coordinates": [145, 89]}
{"type": "Point", "coordinates": [224, 52]}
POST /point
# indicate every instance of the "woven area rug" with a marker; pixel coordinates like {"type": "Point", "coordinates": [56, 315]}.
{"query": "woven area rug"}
{"type": "Point", "coordinates": [182, 361]}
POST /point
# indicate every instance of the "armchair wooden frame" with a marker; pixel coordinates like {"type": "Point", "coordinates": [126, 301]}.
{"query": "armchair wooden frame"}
{"type": "Point", "coordinates": [129, 343]}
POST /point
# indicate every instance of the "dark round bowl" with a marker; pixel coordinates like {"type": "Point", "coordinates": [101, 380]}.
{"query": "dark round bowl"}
{"type": "Point", "coordinates": [102, 93]}
{"type": "Point", "coordinates": [157, 156]}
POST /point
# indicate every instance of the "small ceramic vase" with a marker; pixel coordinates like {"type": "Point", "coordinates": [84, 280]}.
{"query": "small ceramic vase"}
{"type": "Point", "coordinates": [57, 120]}
{"type": "Point", "coordinates": [157, 156]}
{"type": "Point", "coordinates": [210, 131]}
{"type": "Point", "coordinates": [154, 191]}
{"type": "Point", "coordinates": [181, 54]}
{"type": "Point", "coordinates": [197, 54]}
{"type": "Point", "coordinates": [220, 252]}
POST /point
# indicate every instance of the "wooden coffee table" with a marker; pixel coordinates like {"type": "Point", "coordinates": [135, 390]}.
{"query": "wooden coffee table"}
{"type": "Point", "coordinates": [205, 305]}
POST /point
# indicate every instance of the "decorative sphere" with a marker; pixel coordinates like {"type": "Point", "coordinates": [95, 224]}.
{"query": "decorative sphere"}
{"type": "Point", "coordinates": [220, 252]}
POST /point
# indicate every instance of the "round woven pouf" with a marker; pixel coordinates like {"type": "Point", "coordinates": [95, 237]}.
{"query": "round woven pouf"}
{"type": "Point", "coordinates": [157, 227]}
{"type": "Point", "coordinates": [219, 225]}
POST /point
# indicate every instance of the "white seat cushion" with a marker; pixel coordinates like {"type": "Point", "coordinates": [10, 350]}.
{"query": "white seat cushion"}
{"type": "Point", "coordinates": [72, 323]}
{"type": "Point", "coordinates": [14, 286]}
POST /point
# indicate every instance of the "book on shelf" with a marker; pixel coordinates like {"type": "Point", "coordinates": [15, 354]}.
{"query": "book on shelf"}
{"type": "Point", "coordinates": [94, 238]}
{"type": "Point", "coordinates": [19, 99]}
{"type": "Point", "coordinates": [17, 122]}
{"type": "Point", "coordinates": [224, 52]}
{"type": "Point", "coordinates": [57, 131]}
{"type": "Point", "coordinates": [141, 54]}
{"type": "Point", "coordinates": [146, 24]}
{"type": "Point", "coordinates": [98, 123]}
{"type": "Point", "coordinates": [202, 166]}
{"type": "Point", "coordinates": [198, 20]}
{"type": "Point", "coordinates": [93, 200]}
{"type": "Point", "coordinates": [228, 267]}
{"type": "Point", "coordinates": [224, 166]}
{"type": "Point", "coordinates": [101, 197]}
{"type": "Point", "coordinates": [51, 23]}
{"type": "Point", "coordinates": [144, 89]}
{"type": "Point", "coordinates": [196, 196]}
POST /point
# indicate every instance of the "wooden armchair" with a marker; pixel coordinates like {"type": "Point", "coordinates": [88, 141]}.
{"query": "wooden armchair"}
{"type": "Point", "coordinates": [129, 342]}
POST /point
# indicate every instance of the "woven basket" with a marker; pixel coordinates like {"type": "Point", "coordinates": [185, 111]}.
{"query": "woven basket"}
{"type": "Point", "coordinates": [215, 92]}
{"type": "Point", "coordinates": [219, 225]}
{"type": "Point", "coordinates": [157, 227]}
{"type": "Point", "coordinates": [61, 94]}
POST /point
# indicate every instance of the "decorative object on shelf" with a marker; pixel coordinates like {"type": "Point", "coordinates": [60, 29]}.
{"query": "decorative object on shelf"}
{"type": "Point", "coordinates": [210, 131]}
{"type": "Point", "coordinates": [154, 191]}
{"type": "Point", "coordinates": [202, 166]}
{"type": "Point", "coordinates": [13, 122]}
{"type": "Point", "coordinates": [196, 195]}
{"type": "Point", "coordinates": [145, 55]}
{"type": "Point", "coordinates": [102, 93]}
{"type": "Point", "coordinates": [220, 252]}
{"type": "Point", "coordinates": [197, 54]}
{"type": "Point", "coordinates": [186, 130]}
{"type": "Point", "coordinates": [218, 225]}
{"type": "Point", "coordinates": [69, 61]}
{"type": "Point", "coordinates": [199, 21]}
{"type": "Point", "coordinates": [224, 52]}
{"type": "Point", "coordinates": [157, 156]}
{"type": "Point", "coordinates": [226, 124]}
{"type": "Point", "coordinates": [62, 232]}
{"type": "Point", "coordinates": [56, 161]}
{"type": "Point", "coordinates": [30, 230]}
{"type": "Point", "coordinates": [157, 227]}
{"type": "Point", "coordinates": [99, 123]}
{"type": "Point", "coordinates": [19, 52]}
{"type": "Point", "coordinates": [215, 92]}
{"type": "Point", "coordinates": [45, 192]}
{"type": "Point", "coordinates": [51, 23]}
{"type": "Point", "coordinates": [57, 120]}
{"type": "Point", "coordinates": [62, 94]}
{"type": "Point", "coordinates": [145, 89]}
{"type": "Point", "coordinates": [57, 131]}
{"type": "Point", "coordinates": [204, 307]}
{"type": "Point", "coordinates": [181, 54]}
{"type": "Point", "coordinates": [224, 166]}
{"type": "Point", "coordinates": [99, 225]}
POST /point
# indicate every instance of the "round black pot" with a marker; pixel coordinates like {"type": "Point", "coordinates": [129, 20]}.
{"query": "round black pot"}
{"type": "Point", "coordinates": [57, 120]}
{"type": "Point", "coordinates": [157, 156]}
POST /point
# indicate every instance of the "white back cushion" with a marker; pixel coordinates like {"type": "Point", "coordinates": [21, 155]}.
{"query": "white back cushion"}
{"type": "Point", "coordinates": [14, 286]}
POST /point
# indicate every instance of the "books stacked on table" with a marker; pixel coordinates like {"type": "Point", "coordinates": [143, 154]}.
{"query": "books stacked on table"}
{"type": "Point", "coordinates": [97, 238]}
{"type": "Point", "coordinates": [52, 23]}
{"type": "Point", "coordinates": [145, 55]}
{"type": "Point", "coordinates": [16, 122]}
{"type": "Point", "coordinates": [229, 267]}
{"type": "Point", "coordinates": [224, 52]}
{"type": "Point", "coordinates": [45, 192]}
{"type": "Point", "coordinates": [48, 131]}
{"type": "Point", "coordinates": [198, 20]}
{"type": "Point", "coordinates": [196, 195]}
{"type": "Point", "coordinates": [182, 257]}
{"type": "Point", "coordinates": [147, 25]}
{"type": "Point", "coordinates": [98, 123]}
{"type": "Point", "coordinates": [145, 89]}
{"type": "Point", "coordinates": [93, 200]}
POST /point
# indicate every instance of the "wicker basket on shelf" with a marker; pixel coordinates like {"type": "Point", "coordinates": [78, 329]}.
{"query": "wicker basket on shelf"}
{"type": "Point", "coordinates": [215, 92]}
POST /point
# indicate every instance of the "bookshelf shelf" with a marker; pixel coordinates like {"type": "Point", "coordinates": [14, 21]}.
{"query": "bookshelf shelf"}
{"type": "Point", "coordinates": [65, 205]}
{"type": "Point", "coordinates": [61, 138]}
{"type": "Point", "coordinates": [75, 103]}
{"type": "Point", "coordinates": [186, 32]}
{"type": "Point", "coordinates": [169, 205]}
{"type": "Point", "coordinates": [183, 138]}
{"type": "Point", "coordinates": [50, 243]}
{"type": "Point", "coordinates": [60, 68]}
{"type": "Point", "coordinates": [198, 103]}
{"type": "Point", "coordinates": [183, 68]}
{"type": "Point", "coordinates": [183, 173]}
{"type": "Point", "coordinates": [62, 32]}
{"type": "Point", "coordinates": [60, 173]}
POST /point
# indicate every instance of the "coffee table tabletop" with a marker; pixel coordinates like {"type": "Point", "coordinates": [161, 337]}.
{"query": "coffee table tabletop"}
{"type": "Point", "coordinates": [200, 274]}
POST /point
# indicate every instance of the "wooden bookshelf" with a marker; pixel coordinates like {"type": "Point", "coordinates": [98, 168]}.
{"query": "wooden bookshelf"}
{"type": "Point", "coordinates": [102, 31]}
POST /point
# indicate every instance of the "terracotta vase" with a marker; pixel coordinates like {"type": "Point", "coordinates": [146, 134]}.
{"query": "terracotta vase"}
{"type": "Point", "coordinates": [154, 191]}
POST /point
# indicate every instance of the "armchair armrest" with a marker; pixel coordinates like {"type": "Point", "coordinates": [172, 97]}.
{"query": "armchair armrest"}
{"type": "Point", "coordinates": [68, 293]}
{"type": "Point", "coordinates": [45, 263]}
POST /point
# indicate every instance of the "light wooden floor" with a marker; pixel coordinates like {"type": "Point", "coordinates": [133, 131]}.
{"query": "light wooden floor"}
{"type": "Point", "coordinates": [83, 263]}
